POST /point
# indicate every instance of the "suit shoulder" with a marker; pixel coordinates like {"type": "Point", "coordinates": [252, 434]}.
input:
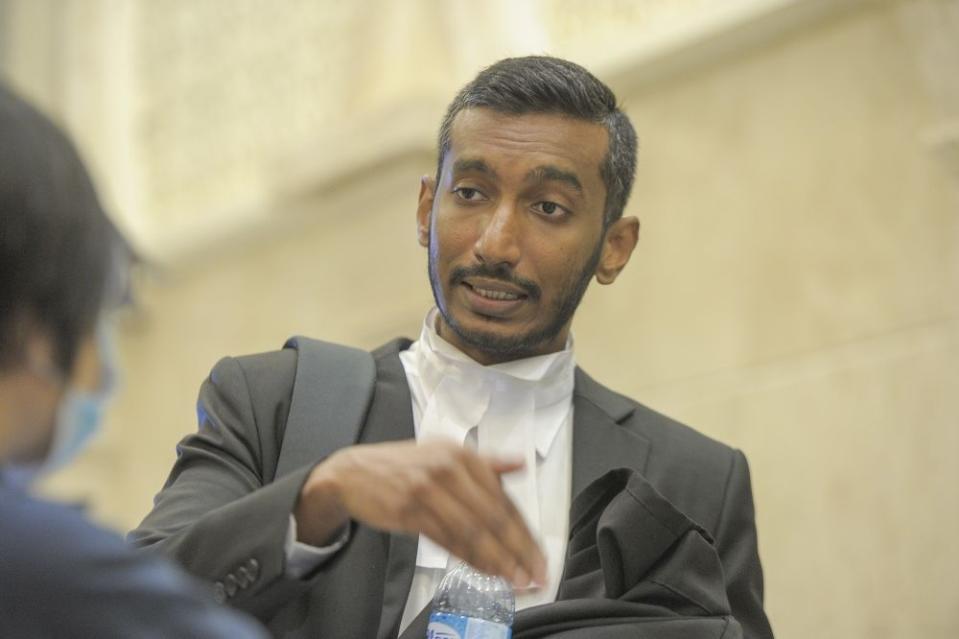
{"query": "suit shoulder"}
{"type": "Point", "coordinates": [691, 469]}
{"type": "Point", "coordinates": [261, 376]}
{"type": "Point", "coordinates": [676, 436]}
{"type": "Point", "coordinates": [262, 367]}
{"type": "Point", "coordinates": [279, 366]}
{"type": "Point", "coordinates": [663, 432]}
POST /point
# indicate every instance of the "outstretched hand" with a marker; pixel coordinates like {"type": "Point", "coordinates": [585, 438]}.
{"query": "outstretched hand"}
{"type": "Point", "coordinates": [449, 493]}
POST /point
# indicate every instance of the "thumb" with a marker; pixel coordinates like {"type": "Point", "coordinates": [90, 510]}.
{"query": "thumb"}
{"type": "Point", "coordinates": [503, 465]}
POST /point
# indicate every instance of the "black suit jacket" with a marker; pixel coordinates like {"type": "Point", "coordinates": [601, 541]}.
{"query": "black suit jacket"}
{"type": "Point", "coordinates": [222, 507]}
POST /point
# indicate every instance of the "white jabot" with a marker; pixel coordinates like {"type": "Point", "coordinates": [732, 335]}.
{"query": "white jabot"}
{"type": "Point", "coordinates": [521, 409]}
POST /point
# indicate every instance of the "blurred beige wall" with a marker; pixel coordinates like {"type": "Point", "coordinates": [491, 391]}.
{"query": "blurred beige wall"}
{"type": "Point", "coordinates": [794, 292]}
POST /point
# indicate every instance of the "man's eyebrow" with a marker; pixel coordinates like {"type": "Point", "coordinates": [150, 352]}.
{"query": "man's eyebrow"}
{"type": "Point", "coordinates": [466, 165]}
{"type": "Point", "coordinates": [549, 173]}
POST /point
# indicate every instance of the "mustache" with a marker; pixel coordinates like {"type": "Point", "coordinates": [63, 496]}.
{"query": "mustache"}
{"type": "Point", "coordinates": [501, 272]}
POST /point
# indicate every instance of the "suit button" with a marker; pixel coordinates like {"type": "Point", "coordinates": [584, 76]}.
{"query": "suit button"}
{"type": "Point", "coordinates": [254, 567]}
{"type": "Point", "coordinates": [243, 577]}
{"type": "Point", "coordinates": [219, 592]}
{"type": "Point", "coordinates": [230, 584]}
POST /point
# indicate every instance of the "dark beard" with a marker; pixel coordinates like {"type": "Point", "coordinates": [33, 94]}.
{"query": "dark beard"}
{"type": "Point", "coordinates": [527, 344]}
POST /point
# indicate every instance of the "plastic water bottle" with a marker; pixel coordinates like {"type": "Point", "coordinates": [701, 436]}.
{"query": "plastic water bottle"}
{"type": "Point", "coordinates": [471, 605]}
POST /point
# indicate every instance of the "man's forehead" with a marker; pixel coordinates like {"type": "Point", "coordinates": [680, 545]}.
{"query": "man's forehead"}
{"type": "Point", "coordinates": [480, 134]}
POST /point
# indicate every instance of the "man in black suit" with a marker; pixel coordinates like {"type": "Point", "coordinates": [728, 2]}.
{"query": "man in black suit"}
{"type": "Point", "coordinates": [482, 439]}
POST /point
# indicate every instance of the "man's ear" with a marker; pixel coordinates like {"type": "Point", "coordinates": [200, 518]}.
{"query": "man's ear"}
{"type": "Point", "coordinates": [424, 209]}
{"type": "Point", "coordinates": [39, 354]}
{"type": "Point", "coordinates": [621, 238]}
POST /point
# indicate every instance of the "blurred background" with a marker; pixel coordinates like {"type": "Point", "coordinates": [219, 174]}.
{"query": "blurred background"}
{"type": "Point", "coordinates": [795, 292]}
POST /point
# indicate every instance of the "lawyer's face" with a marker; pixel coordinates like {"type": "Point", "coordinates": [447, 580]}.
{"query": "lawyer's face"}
{"type": "Point", "coordinates": [515, 231]}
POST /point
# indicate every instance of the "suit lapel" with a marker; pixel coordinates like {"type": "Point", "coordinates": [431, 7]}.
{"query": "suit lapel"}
{"type": "Point", "coordinates": [390, 419]}
{"type": "Point", "coordinates": [600, 441]}
{"type": "Point", "coordinates": [400, 565]}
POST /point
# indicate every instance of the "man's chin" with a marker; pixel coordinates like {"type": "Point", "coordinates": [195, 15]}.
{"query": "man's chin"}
{"type": "Point", "coordinates": [500, 343]}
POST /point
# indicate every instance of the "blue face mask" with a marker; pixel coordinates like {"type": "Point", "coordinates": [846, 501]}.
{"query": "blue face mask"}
{"type": "Point", "coordinates": [78, 420]}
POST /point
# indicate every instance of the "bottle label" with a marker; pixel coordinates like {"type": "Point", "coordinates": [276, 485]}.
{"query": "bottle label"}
{"type": "Point", "coordinates": [444, 625]}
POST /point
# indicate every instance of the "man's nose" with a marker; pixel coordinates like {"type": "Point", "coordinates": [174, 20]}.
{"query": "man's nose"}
{"type": "Point", "coordinates": [498, 242]}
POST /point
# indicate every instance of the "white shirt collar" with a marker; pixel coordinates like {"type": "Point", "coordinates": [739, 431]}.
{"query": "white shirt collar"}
{"type": "Point", "coordinates": [548, 377]}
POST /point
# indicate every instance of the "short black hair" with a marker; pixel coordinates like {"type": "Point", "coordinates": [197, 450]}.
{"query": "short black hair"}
{"type": "Point", "coordinates": [58, 249]}
{"type": "Point", "coordinates": [544, 84]}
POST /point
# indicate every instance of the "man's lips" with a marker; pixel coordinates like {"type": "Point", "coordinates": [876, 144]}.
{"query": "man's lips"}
{"type": "Point", "coordinates": [491, 298]}
{"type": "Point", "coordinates": [494, 289]}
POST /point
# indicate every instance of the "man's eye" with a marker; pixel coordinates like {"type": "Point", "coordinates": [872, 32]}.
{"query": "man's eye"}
{"type": "Point", "coordinates": [468, 194]}
{"type": "Point", "coordinates": [549, 208]}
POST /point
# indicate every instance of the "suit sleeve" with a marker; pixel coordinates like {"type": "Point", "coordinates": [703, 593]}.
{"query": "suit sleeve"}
{"type": "Point", "coordinates": [218, 514]}
{"type": "Point", "coordinates": [736, 543]}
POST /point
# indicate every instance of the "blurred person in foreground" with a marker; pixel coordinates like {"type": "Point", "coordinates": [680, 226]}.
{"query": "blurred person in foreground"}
{"type": "Point", "coordinates": [63, 268]}
{"type": "Point", "coordinates": [481, 439]}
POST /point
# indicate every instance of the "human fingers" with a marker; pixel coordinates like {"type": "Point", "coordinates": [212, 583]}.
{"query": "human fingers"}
{"type": "Point", "coordinates": [503, 465]}
{"type": "Point", "coordinates": [513, 531]}
{"type": "Point", "coordinates": [391, 486]}
{"type": "Point", "coordinates": [460, 522]}
{"type": "Point", "coordinates": [467, 501]}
